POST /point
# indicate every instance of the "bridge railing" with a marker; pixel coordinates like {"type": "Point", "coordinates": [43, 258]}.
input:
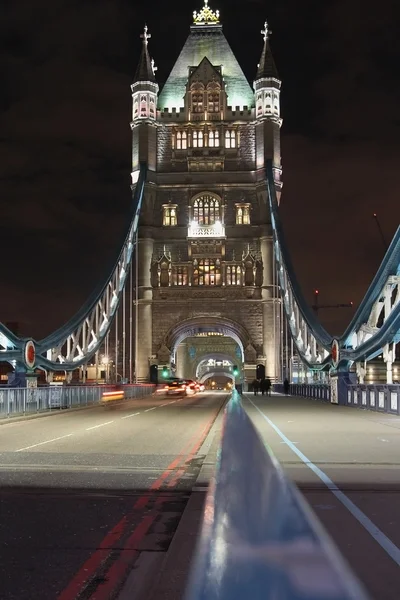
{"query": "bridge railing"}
{"type": "Point", "coordinates": [259, 539]}
{"type": "Point", "coordinates": [383, 398]}
{"type": "Point", "coordinates": [321, 391]}
{"type": "Point", "coordinates": [25, 401]}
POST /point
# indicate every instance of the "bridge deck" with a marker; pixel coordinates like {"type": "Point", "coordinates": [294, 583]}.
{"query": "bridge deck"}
{"type": "Point", "coordinates": [66, 482]}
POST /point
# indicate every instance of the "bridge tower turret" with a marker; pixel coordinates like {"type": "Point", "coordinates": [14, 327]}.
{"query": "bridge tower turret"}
{"type": "Point", "coordinates": [267, 87]}
{"type": "Point", "coordinates": [144, 102]}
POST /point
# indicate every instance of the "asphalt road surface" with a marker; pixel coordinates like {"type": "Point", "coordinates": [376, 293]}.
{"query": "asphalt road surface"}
{"type": "Point", "coordinates": [346, 463]}
{"type": "Point", "coordinates": [83, 493]}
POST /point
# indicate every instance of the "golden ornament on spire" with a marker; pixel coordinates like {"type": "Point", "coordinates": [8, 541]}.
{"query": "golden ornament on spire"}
{"type": "Point", "coordinates": [206, 16]}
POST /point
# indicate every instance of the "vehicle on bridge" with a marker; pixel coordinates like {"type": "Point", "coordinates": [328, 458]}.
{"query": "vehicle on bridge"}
{"type": "Point", "coordinates": [113, 397]}
{"type": "Point", "coordinates": [186, 387]}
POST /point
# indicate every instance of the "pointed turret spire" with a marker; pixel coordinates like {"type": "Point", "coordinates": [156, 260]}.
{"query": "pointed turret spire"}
{"type": "Point", "coordinates": [145, 69]}
{"type": "Point", "coordinates": [267, 67]}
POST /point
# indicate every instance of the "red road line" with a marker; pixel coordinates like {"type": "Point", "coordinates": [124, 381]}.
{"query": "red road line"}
{"type": "Point", "coordinates": [100, 555]}
{"type": "Point", "coordinates": [125, 560]}
{"type": "Point", "coordinates": [118, 571]}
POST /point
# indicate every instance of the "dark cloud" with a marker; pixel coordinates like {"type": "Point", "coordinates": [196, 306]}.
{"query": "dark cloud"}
{"type": "Point", "coordinates": [65, 140]}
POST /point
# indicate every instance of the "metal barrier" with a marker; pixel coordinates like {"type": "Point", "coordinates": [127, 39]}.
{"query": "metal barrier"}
{"type": "Point", "coordinates": [320, 391]}
{"type": "Point", "coordinates": [25, 401]}
{"type": "Point", "coordinates": [382, 398]}
{"type": "Point", "coordinates": [259, 539]}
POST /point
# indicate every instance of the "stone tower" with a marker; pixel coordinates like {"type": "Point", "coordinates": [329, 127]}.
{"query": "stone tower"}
{"type": "Point", "coordinates": [205, 242]}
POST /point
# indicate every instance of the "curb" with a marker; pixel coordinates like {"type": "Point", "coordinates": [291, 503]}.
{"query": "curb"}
{"type": "Point", "coordinates": [40, 415]}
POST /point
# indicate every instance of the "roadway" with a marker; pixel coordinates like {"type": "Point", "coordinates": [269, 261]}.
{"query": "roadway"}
{"type": "Point", "coordinates": [84, 493]}
{"type": "Point", "coordinates": [345, 461]}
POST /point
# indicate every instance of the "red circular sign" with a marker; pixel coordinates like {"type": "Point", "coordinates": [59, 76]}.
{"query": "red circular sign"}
{"type": "Point", "coordinates": [335, 353]}
{"type": "Point", "coordinates": [30, 354]}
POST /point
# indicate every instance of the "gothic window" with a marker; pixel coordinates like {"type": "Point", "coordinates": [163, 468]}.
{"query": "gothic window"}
{"type": "Point", "coordinates": [180, 275]}
{"type": "Point", "coordinates": [198, 139]}
{"type": "Point", "coordinates": [213, 102]}
{"type": "Point", "coordinates": [207, 271]}
{"type": "Point", "coordinates": [170, 215]}
{"type": "Point", "coordinates": [233, 275]}
{"type": "Point", "coordinates": [213, 139]}
{"type": "Point", "coordinates": [242, 214]}
{"type": "Point", "coordinates": [181, 140]}
{"type": "Point", "coordinates": [197, 102]}
{"type": "Point", "coordinates": [230, 139]}
{"type": "Point", "coordinates": [206, 210]}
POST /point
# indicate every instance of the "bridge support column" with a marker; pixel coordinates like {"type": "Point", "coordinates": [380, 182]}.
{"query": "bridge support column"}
{"type": "Point", "coordinates": [181, 360]}
{"type": "Point", "coordinates": [144, 332]}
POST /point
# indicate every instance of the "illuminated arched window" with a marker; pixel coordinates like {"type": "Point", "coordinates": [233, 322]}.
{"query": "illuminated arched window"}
{"type": "Point", "coordinates": [233, 275]}
{"type": "Point", "coordinates": [198, 139]}
{"type": "Point", "coordinates": [230, 139]}
{"type": "Point", "coordinates": [206, 210]}
{"type": "Point", "coordinates": [207, 271]}
{"type": "Point", "coordinates": [181, 140]}
{"type": "Point", "coordinates": [213, 102]}
{"type": "Point", "coordinates": [197, 102]}
{"type": "Point", "coordinates": [242, 214]}
{"type": "Point", "coordinates": [213, 139]}
{"type": "Point", "coordinates": [170, 215]}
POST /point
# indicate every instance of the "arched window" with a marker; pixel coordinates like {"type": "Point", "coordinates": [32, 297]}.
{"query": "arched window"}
{"type": "Point", "coordinates": [198, 139]}
{"type": "Point", "coordinates": [197, 102]}
{"type": "Point", "coordinates": [213, 102]}
{"type": "Point", "coordinates": [230, 139]}
{"type": "Point", "coordinates": [206, 210]}
{"type": "Point", "coordinates": [170, 215]}
{"type": "Point", "coordinates": [242, 214]}
{"type": "Point", "coordinates": [180, 275]}
{"type": "Point", "coordinates": [181, 140]}
{"type": "Point", "coordinates": [233, 275]}
{"type": "Point", "coordinates": [213, 139]}
{"type": "Point", "coordinates": [207, 271]}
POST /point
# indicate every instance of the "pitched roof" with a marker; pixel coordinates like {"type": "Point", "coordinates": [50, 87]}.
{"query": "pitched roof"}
{"type": "Point", "coordinates": [144, 71]}
{"type": "Point", "coordinates": [206, 41]}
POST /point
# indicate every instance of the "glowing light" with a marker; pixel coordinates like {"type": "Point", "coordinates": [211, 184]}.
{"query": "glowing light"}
{"type": "Point", "coordinates": [206, 16]}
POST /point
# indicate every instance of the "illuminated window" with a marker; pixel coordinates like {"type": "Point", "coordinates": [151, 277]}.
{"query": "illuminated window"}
{"type": "Point", "coordinates": [206, 210]}
{"type": "Point", "coordinates": [242, 214]}
{"type": "Point", "coordinates": [197, 102]}
{"type": "Point", "coordinates": [180, 275]}
{"type": "Point", "coordinates": [230, 139]}
{"type": "Point", "coordinates": [198, 139]}
{"type": "Point", "coordinates": [213, 102]}
{"type": "Point", "coordinates": [181, 140]}
{"type": "Point", "coordinates": [170, 215]}
{"type": "Point", "coordinates": [233, 275]}
{"type": "Point", "coordinates": [213, 139]}
{"type": "Point", "coordinates": [206, 271]}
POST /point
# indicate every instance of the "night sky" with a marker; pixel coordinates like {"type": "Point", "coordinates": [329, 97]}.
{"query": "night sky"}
{"type": "Point", "coordinates": [65, 102]}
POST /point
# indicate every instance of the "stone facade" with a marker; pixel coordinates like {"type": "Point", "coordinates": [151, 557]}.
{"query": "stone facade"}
{"type": "Point", "coordinates": [205, 241]}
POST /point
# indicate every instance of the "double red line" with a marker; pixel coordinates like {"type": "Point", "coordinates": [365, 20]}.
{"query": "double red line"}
{"type": "Point", "coordinates": [120, 567]}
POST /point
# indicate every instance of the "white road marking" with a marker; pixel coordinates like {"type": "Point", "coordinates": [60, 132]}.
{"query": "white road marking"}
{"type": "Point", "coordinates": [46, 442]}
{"type": "Point", "coordinates": [390, 548]}
{"type": "Point", "coordinates": [97, 426]}
{"type": "Point", "coordinates": [149, 409]}
{"type": "Point", "coordinates": [132, 415]}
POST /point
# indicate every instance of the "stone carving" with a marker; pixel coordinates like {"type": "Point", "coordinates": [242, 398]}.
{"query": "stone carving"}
{"type": "Point", "coordinates": [163, 354]}
{"type": "Point", "coordinates": [250, 354]}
